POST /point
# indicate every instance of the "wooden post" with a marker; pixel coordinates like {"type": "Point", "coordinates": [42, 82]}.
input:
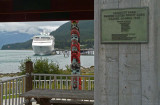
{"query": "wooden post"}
{"type": "Point", "coordinates": [29, 70]}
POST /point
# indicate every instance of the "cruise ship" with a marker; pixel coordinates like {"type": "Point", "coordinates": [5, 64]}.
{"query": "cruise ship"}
{"type": "Point", "coordinates": [43, 44]}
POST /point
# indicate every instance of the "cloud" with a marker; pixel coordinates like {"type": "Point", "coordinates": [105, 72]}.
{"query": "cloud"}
{"type": "Point", "coordinates": [30, 27]}
{"type": "Point", "coordinates": [48, 28]}
{"type": "Point", "coordinates": [47, 23]}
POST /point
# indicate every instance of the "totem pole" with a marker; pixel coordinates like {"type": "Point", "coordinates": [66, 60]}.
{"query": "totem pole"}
{"type": "Point", "coordinates": [75, 55]}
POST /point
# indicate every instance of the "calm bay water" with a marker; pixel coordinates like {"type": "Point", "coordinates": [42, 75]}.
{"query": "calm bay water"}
{"type": "Point", "coordinates": [10, 60]}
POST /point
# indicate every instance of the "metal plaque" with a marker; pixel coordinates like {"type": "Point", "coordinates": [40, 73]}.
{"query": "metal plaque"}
{"type": "Point", "coordinates": [129, 25]}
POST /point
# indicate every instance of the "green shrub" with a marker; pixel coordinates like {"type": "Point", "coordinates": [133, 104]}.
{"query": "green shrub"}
{"type": "Point", "coordinates": [43, 66]}
{"type": "Point", "coordinates": [22, 66]}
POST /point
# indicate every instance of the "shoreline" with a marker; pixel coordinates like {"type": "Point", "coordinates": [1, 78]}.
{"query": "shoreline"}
{"type": "Point", "coordinates": [9, 74]}
{"type": "Point", "coordinates": [84, 70]}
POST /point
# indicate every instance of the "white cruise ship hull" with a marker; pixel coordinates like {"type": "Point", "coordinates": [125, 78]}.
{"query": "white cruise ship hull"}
{"type": "Point", "coordinates": [43, 45]}
{"type": "Point", "coordinates": [42, 50]}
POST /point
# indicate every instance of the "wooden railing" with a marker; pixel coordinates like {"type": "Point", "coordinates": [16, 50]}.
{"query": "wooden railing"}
{"type": "Point", "coordinates": [11, 89]}
{"type": "Point", "coordinates": [53, 81]}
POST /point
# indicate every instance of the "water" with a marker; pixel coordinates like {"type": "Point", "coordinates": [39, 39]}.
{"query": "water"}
{"type": "Point", "coordinates": [10, 60]}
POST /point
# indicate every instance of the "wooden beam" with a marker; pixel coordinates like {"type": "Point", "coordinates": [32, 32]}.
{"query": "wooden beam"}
{"type": "Point", "coordinates": [50, 16]}
{"type": "Point", "coordinates": [46, 10]}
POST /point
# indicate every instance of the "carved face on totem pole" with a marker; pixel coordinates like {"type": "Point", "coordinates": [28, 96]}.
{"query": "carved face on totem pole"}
{"type": "Point", "coordinates": [74, 37]}
{"type": "Point", "coordinates": [74, 25]}
{"type": "Point", "coordinates": [75, 66]}
{"type": "Point", "coordinates": [74, 49]}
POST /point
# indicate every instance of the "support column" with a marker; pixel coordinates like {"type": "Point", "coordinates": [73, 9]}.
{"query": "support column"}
{"type": "Point", "coordinates": [127, 74]}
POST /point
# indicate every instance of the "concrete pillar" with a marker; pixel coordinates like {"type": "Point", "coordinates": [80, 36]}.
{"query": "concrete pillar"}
{"type": "Point", "coordinates": [128, 74]}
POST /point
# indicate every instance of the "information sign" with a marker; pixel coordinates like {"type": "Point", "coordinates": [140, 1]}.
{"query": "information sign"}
{"type": "Point", "coordinates": [124, 25]}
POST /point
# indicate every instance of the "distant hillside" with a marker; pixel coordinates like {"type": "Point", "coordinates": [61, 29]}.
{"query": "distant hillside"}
{"type": "Point", "coordinates": [13, 37]}
{"type": "Point", "coordinates": [63, 37]}
{"type": "Point", "coordinates": [86, 30]}
{"type": "Point", "coordinates": [18, 46]}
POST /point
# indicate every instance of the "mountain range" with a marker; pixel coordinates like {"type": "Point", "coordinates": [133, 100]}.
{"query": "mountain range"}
{"type": "Point", "coordinates": [13, 37]}
{"type": "Point", "coordinates": [62, 37]}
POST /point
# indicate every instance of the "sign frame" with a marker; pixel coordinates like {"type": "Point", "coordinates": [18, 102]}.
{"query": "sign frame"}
{"type": "Point", "coordinates": [125, 42]}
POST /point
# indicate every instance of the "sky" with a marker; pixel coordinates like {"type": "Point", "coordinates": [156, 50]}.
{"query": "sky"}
{"type": "Point", "coordinates": [30, 27]}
